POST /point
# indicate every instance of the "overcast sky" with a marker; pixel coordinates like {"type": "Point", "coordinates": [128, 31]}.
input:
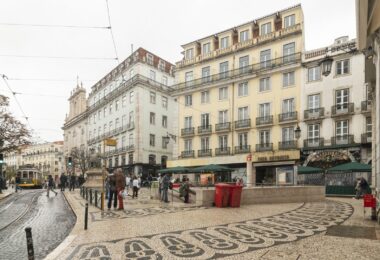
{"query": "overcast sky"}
{"type": "Point", "coordinates": [159, 26]}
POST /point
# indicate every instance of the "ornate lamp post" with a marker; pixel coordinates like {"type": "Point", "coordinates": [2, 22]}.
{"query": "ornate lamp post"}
{"type": "Point", "coordinates": [326, 65]}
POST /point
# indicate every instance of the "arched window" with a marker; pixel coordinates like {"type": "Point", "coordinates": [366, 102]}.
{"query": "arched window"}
{"type": "Point", "coordinates": [152, 159]}
{"type": "Point", "coordinates": [164, 159]}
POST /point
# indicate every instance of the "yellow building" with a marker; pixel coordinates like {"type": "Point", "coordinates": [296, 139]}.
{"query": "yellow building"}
{"type": "Point", "coordinates": [238, 94]}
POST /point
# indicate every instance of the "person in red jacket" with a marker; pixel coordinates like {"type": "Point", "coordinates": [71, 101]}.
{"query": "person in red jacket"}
{"type": "Point", "coordinates": [120, 186]}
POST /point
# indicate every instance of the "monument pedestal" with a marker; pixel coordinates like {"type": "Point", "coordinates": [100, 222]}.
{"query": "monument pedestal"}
{"type": "Point", "coordinates": [94, 178]}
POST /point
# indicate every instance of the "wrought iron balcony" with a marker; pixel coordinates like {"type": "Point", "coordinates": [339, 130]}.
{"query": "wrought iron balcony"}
{"type": "Point", "coordinates": [285, 145]}
{"type": "Point", "coordinates": [244, 123]}
{"type": "Point", "coordinates": [222, 127]}
{"type": "Point", "coordinates": [342, 140]}
{"type": "Point", "coordinates": [242, 149]}
{"type": "Point", "coordinates": [187, 154]}
{"type": "Point", "coordinates": [222, 151]}
{"type": "Point", "coordinates": [314, 142]}
{"type": "Point", "coordinates": [264, 147]}
{"type": "Point", "coordinates": [204, 129]}
{"type": "Point", "coordinates": [187, 131]}
{"type": "Point", "coordinates": [367, 138]}
{"type": "Point", "coordinates": [289, 116]}
{"type": "Point", "coordinates": [204, 153]}
{"type": "Point", "coordinates": [342, 109]}
{"type": "Point", "coordinates": [264, 120]}
{"type": "Point", "coordinates": [366, 106]}
{"type": "Point", "coordinates": [314, 113]}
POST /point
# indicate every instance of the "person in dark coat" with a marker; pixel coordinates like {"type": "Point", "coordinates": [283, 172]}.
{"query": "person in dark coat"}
{"type": "Point", "coordinates": [50, 186]}
{"type": "Point", "coordinates": [63, 180]}
{"type": "Point", "coordinates": [72, 181]}
{"type": "Point", "coordinates": [112, 195]}
{"type": "Point", "coordinates": [120, 186]}
{"type": "Point", "coordinates": [17, 182]}
{"type": "Point", "coordinates": [165, 188]}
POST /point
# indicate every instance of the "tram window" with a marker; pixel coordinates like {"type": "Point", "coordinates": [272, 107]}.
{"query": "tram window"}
{"type": "Point", "coordinates": [25, 175]}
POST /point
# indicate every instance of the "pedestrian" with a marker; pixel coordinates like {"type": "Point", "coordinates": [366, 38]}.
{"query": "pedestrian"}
{"type": "Point", "coordinates": [50, 186]}
{"type": "Point", "coordinates": [72, 182]}
{"type": "Point", "coordinates": [18, 181]}
{"type": "Point", "coordinates": [120, 186]}
{"type": "Point", "coordinates": [165, 188]}
{"type": "Point", "coordinates": [159, 180]}
{"type": "Point", "coordinates": [150, 178]}
{"type": "Point", "coordinates": [1, 184]}
{"type": "Point", "coordinates": [136, 187]}
{"type": "Point", "coordinates": [112, 191]}
{"type": "Point", "coordinates": [127, 182]}
{"type": "Point", "coordinates": [63, 180]}
{"type": "Point", "coordinates": [185, 190]}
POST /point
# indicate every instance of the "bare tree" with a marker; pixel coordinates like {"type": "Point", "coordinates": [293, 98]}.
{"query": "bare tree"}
{"type": "Point", "coordinates": [81, 159]}
{"type": "Point", "coordinates": [13, 133]}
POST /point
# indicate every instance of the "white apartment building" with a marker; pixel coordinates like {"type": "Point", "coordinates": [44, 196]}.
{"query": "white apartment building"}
{"type": "Point", "coordinates": [132, 105]}
{"type": "Point", "coordinates": [12, 160]}
{"type": "Point", "coordinates": [336, 116]}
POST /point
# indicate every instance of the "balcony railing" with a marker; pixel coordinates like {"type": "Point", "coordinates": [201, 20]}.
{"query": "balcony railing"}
{"type": "Point", "coordinates": [314, 113]}
{"type": "Point", "coordinates": [244, 123]}
{"type": "Point", "coordinates": [222, 151]}
{"type": "Point", "coordinates": [314, 142]}
{"type": "Point", "coordinates": [264, 120]}
{"type": "Point", "coordinates": [204, 129]}
{"type": "Point", "coordinates": [221, 127]}
{"type": "Point", "coordinates": [264, 147]}
{"type": "Point", "coordinates": [187, 154]}
{"type": "Point", "coordinates": [367, 138]}
{"type": "Point", "coordinates": [342, 109]}
{"type": "Point", "coordinates": [289, 116]}
{"type": "Point", "coordinates": [285, 145]}
{"type": "Point", "coordinates": [366, 106]}
{"type": "Point", "coordinates": [248, 70]}
{"type": "Point", "coordinates": [342, 140]}
{"type": "Point", "coordinates": [242, 149]}
{"type": "Point", "coordinates": [204, 153]}
{"type": "Point", "coordinates": [187, 131]}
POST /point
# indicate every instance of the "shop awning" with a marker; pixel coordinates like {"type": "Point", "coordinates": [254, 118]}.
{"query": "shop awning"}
{"type": "Point", "coordinates": [309, 170]}
{"type": "Point", "coordinates": [211, 168]}
{"type": "Point", "coordinates": [177, 169]}
{"type": "Point", "coordinates": [350, 167]}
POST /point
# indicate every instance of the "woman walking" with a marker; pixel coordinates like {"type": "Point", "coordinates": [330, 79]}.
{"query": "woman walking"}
{"type": "Point", "coordinates": [50, 186]}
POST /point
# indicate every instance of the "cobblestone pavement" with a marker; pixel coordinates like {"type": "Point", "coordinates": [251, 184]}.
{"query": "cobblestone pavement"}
{"type": "Point", "coordinates": [51, 220]}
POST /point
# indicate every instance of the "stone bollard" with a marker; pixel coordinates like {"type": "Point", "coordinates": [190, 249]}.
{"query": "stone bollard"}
{"type": "Point", "coordinates": [86, 216]}
{"type": "Point", "coordinates": [29, 243]}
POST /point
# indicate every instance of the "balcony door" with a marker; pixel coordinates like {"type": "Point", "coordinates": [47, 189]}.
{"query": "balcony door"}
{"type": "Point", "coordinates": [243, 140]}
{"type": "Point", "coordinates": [206, 74]}
{"type": "Point", "coordinates": [313, 133]}
{"type": "Point", "coordinates": [264, 110]}
{"type": "Point", "coordinates": [205, 120]}
{"type": "Point", "coordinates": [314, 102]}
{"type": "Point", "coordinates": [243, 64]}
{"type": "Point", "coordinates": [288, 52]}
{"type": "Point", "coordinates": [242, 113]}
{"type": "Point", "coordinates": [287, 134]}
{"type": "Point", "coordinates": [205, 143]}
{"type": "Point", "coordinates": [341, 100]}
{"type": "Point", "coordinates": [265, 57]}
{"type": "Point", "coordinates": [341, 130]}
{"type": "Point", "coordinates": [223, 69]}
{"type": "Point", "coordinates": [223, 116]}
{"type": "Point", "coordinates": [223, 142]}
{"type": "Point", "coordinates": [288, 107]}
{"type": "Point", "coordinates": [188, 122]}
{"type": "Point", "coordinates": [264, 138]}
{"type": "Point", "coordinates": [188, 145]}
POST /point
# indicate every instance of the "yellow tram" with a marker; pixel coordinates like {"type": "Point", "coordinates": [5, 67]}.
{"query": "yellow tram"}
{"type": "Point", "coordinates": [30, 177]}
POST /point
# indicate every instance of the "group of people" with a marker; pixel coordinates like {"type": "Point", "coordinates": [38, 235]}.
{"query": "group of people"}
{"type": "Point", "coordinates": [165, 184]}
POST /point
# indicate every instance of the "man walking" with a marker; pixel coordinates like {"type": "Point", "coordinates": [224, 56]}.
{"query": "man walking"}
{"type": "Point", "coordinates": [50, 186]}
{"type": "Point", "coordinates": [136, 187]}
{"type": "Point", "coordinates": [18, 181]}
{"type": "Point", "coordinates": [72, 181]}
{"type": "Point", "coordinates": [165, 188]}
{"type": "Point", "coordinates": [120, 186]}
{"type": "Point", "coordinates": [63, 180]}
{"type": "Point", "coordinates": [112, 191]}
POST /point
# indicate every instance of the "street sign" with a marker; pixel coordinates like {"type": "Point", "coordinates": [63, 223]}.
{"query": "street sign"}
{"type": "Point", "coordinates": [110, 142]}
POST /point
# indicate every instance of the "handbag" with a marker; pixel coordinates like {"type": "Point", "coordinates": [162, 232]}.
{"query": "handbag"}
{"type": "Point", "coordinates": [123, 194]}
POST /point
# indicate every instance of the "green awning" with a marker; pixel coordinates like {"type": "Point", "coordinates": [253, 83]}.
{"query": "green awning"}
{"type": "Point", "coordinates": [350, 167]}
{"type": "Point", "coordinates": [177, 169]}
{"type": "Point", "coordinates": [309, 170]}
{"type": "Point", "coordinates": [211, 168]}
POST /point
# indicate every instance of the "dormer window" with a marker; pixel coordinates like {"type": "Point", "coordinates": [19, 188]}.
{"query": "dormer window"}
{"type": "Point", "coordinates": [161, 65]}
{"type": "Point", "coordinates": [289, 21]}
{"type": "Point", "coordinates": [206, 48]}
{"type": "Point", "coordinates": [224, 42]}
{"type": "Point", "coordinates": [149, 58]}
{"type": "Point", "coordinates": [189, 54]}
{"type": "Point", "coordinates": [244, 36]}
{"type": "Point", "coordinates": [266, 28]}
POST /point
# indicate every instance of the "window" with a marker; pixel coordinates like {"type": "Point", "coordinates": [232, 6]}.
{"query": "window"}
{"type": "Point", "coordinates": [110, 125]}
{"type": "Point", "coordinates": [223, 93]}
{"type": "Point", "coordinates": [206, 48]}
{"type": "Point", "coordinates": [131, 73]}
{"type": "Point", "coordinates": [342, 67]}
{"type": "Point", "coordinates": [242, 113]}
{"type": "Point", "coordinates": [243, 140]}
{"type": "Point", "coordinates": [265, 57]}
{"type": "Point", "coordinates": [110, 109]}
{"type": "Point", "coordinates": [224, 42]}
{"type": "Point", "coordinates": [152, 75]}
{"type": "Point", "coordinates": [341, 132]}
{"type": "Point", "coordinates": [264, 84]}
{"type": "Point", "coordinates": [164, 80]}
{"type": "Point", "coordinates": [205, 97]}
{"type": "Point", "coordinates": [164, 121]}
{"type": "Point", "coordinates": [123, 120]}
{"type": "Point", "coordinates": [243, 89]}
{"type": "Point", "coordinates": [289, 20]}
{"type": "Point", "coordinates": [117, 105]}
{"type": "Point", "coordinates": [288, 79]}
{"type": "Point", "coordinates": [131, 139]}
{"type": "Point", "coordinates": [130, 158]}
{"type": "Point", "coordinates": [266, 28]}
{"type": "Point", "coordinates": [223, 116]}
{"type": "Point", "coordinates": [164, 143]}
{"type": "Point", "coordinates": [117, 121]}
{"type": "Point", "coordinates": [288, 52]}
{"type": "Point", "coordinates": [152, 98]}
{"type": "Point", "coordinates": [313, 131]}
{"type": "Point", "coordinates": [188, 122]}
{"type": "Point", "coordinates": [105, 92]}
{"type": "Point", "coordinates": [287, 134]}
{"type": "Point", "coordinates": [149, 58]}
{"type": "Point", "coordinates": [243, 64]}
{"type": "Point", "coordinates": [152, 118]}
{"type": "Point", "coordinates": [188, 100]}
{"type": "Point", "coordinates": [161, 65]}
{"type": "Point", "coordinates": [131, 117]}
{"type": "Point", "coordinates": [223, 142]}
{"type": "Point", "coordinates": [206, 74]}
{"type": "Point", "coordinates": [264, 110]}
{"type": "Point", "coordinates": [223, 70]}
{"type": "Point", "coordinates": [205, 120]}
{"type": "Point", "coordinates": [123, 100]}
{"type": "Point", "coordinates": [368, 121]}
{"type": "Point", "coordinates": [131, 97]}
{"type": "Point", "coordinates": [313, 101]}
{"type": "Point", "coordinates": [314, 73]}
{"type": "Point", "coordinates": [152, 139]}
{"type": "Point", "coordinates": [189, 54]}
{"type": "Point", "coordinates": [264, 137]}
{"type": "Point", "coordinates": [189, 78]}
{"type": "Point", "coordinates": [288, 106]}
{"type": "Point", "coordinates": [205, 143]}
{"type": "Point", "coordinates": [244, 36]}
{"type": "Point", "coordinates": [188, 145]}
{"type": "Point", "coordinates": [341, 99]}
{"type": "Point", "coordinates": [123, 141]}
{"type": "Point", "coordinates": [99, 113]}
{"type": "Point", "coordinates": [164, 102]}
{"type": "Point", "coordinates": [105, 128]}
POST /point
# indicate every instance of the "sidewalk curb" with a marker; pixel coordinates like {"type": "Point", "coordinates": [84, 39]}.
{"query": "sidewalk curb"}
{"type": "Point", "coordinates": [6, 196]}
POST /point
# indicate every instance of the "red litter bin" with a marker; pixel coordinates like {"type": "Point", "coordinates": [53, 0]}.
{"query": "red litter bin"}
{"type": "Point", "coordinates": [235, 195]}
{"type": "Point", "coordinates": [222, 193]}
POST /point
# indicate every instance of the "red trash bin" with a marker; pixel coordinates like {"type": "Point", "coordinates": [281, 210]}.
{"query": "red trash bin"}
{"type": "Point", "coordinates": [235, 195]}
{"type": "Point", "coordinates": [222, 193]}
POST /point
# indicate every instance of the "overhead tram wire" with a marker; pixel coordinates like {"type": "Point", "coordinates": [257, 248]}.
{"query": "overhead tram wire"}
{"type": "Point", "coordinates": [47, 79]}
{"type": "Point", "coordinates": [56, 57]}
{"type": "Point", "coordinates": [56, 26]}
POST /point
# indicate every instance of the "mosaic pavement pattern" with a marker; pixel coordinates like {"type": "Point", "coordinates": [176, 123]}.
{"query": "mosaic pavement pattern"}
{"type": "Point", "coordinates": [223, 240]}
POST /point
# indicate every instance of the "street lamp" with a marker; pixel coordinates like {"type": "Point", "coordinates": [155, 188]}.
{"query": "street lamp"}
{"type": "Point", "coordinates": [326, 65]}
{"type": "Point", "coordinates": [168, 137]}
{"type": "Point", "coordinates": [297, 132]}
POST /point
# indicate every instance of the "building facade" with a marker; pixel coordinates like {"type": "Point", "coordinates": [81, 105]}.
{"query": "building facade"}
{"type": "Point", "coordinates": [132, 105]}
{"type": "Point", "coordinates": [238, 92]}
{"type": "Point", "coordinates": [337, 120]}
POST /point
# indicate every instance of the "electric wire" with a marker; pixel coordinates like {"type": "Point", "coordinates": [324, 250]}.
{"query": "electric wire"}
{"type": "Point", "coordinates": [47, 79]}
{"type": "Point", "coordinates": [56, 57]}
{"type": "Point", "coordinates": [55, 26]}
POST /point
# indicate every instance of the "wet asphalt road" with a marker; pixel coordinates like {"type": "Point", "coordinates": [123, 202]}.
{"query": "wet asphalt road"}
{"type": "Point", "coordinates": [51, 220]}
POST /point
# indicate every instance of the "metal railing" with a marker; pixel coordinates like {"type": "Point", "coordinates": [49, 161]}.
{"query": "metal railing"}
{"type": "Point", "coordinates": [314, 142]}
{"type": "Point", "coordinates": [342, 140]}
{"type": "Point", "coordinates": [187, 131]}
{"type": "Point", "coordinates": [223, 127]}
{"type": "Point", "coordinates": [205, 129]}
{"type": "Point", "coordinates": [242, 149]}
{"type": "Point", "coordinates": [92, 195]}
{"type": "Point", "coordinates": [264, 120]}
{"type": "Point", "coordinates": [367, 138]}
{"type": "Point", "coordinates": [264, 147]}
{"type": "Point", "coordinates": [187, 154]}
{"type": "Point", "coordinates": [222, 151]}
{"type": "Point", "coordinates": [284, 145]}
{"type": "Point", "coordinates": [314, 113]}
{"type": "Point", "coordinates": [342, 109]}
{"type": "Point", "coordinates": [244, 123]}
{"type": "Point", "coordinates": [289, 116]}
{"type": "Point", "coordinates": [205, 153]}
